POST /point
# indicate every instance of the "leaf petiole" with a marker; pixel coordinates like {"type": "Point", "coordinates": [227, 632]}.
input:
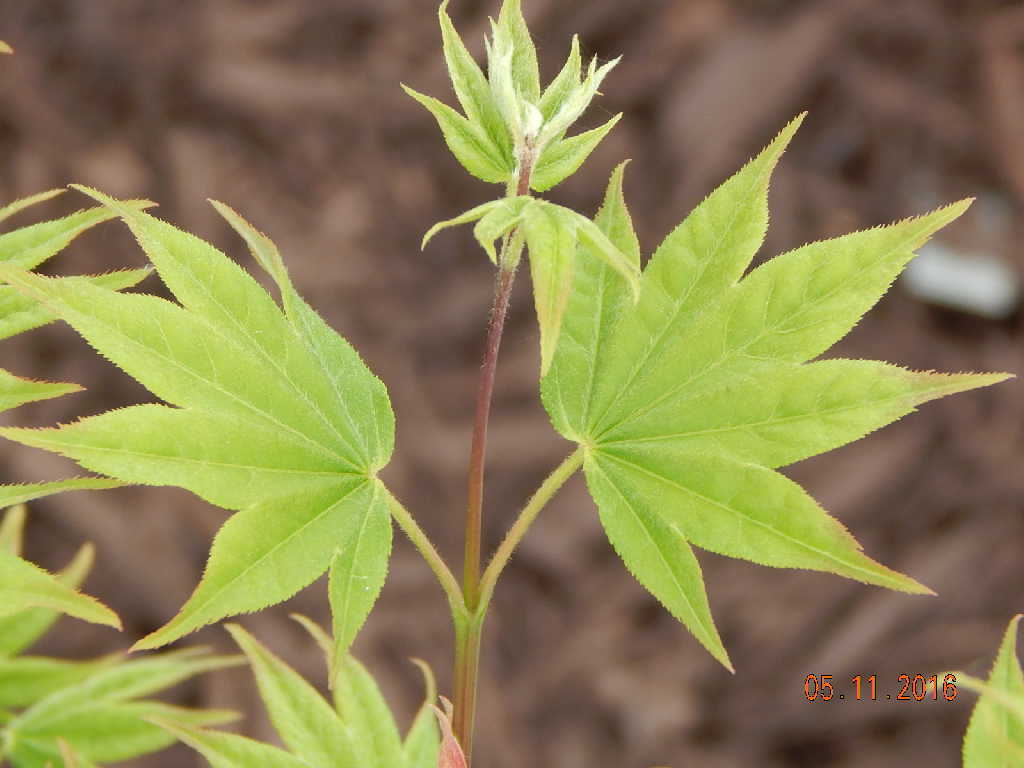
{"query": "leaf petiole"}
{"type": "Point", "coordinates": [529, 513]}
{"type": "Point", "coordinates": [419, 539]}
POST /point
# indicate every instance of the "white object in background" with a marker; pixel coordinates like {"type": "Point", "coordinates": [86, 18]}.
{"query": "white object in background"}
{"type": "Point", "coordinates": [979, 285]}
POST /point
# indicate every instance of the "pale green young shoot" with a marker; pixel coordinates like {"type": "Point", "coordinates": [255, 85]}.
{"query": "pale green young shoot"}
{"type": "Point", "coordinates": [510, 125]}
{"type": "Point", "coordinates": [553, 234]}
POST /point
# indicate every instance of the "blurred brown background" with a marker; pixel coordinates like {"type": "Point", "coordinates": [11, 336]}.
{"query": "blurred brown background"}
{"type": "Point", "coordinates": [291, 112]}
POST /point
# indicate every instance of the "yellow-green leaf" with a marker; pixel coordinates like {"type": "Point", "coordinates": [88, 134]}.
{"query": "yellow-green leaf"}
{"type": "Point", "coordinates": [687, 401]}
{"type": "Point", "coordinates": [995, 734]}
{"type": "Point", "coordinates": [274, 414]}
{"type": "Point", "coordinates": [24, 585]}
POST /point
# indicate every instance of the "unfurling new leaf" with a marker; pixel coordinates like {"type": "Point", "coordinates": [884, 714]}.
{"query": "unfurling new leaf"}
{"type": "Point", "coordinates": [509, 123]}
{"type": "Point", "coordinates": [270, 413]}
{"type": "Point", "coordinates": [553, 236]}
{"type": "Point", "coordinates": [687, 401]}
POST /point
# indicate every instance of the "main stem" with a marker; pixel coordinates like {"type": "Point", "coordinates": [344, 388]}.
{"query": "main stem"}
{"type": "Point", "coordinates": [478, 449]}
{"type": "Point", "coordinates": [467, 634]}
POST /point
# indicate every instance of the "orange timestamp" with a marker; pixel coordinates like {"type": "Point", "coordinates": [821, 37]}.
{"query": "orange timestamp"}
{"type": "Point", "coordinates": [865, 688]}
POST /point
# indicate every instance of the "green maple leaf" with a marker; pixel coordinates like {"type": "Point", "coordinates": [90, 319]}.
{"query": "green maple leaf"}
{"type": "Point", "coordinates": [687, 402]}
{"type": "Point", "coordinates": [96, 711]}
{"type": "Point", "coordinates": [57, 712]}
{"type": "Point", "coordinates": [269, 413]}
{"type": "Point", "coordinates": [27, 248]}
{"type": "Point", "coordinates": [359, 731]}
{"type": "Point", "coordinates": [995, 734]}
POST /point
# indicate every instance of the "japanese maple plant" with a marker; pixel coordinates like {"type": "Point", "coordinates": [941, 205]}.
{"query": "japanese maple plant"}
{"type": "Point", "coordinates": [683, 382]}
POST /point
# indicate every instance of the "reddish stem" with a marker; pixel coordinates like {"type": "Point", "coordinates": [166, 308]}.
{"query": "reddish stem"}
{"type": "Point", "coordinates": [478, 450]}
{"type": "Point", "coordinates": [467, 652]}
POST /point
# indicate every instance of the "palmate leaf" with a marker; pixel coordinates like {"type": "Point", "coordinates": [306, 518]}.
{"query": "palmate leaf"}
{"type": "Point", "coordinates": [27, 248]}
{"type": "Point", "coordinates": [686, 402]}
{"type": "Point", "coordinates": [995, 734]}
{"type": "Point", "coordinates": [358, 732]}
{"type": "Point", "coordinates": [78, 713]}
{"type": "Point", "coordinates": [102, 717]}
{"type": "Point", "coordinates": [274, 415]}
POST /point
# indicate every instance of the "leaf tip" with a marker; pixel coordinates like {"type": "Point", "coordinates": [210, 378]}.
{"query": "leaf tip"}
{"type": "Point", "coordinates": [942, 217]}
{"type": "Point", "coordinates": [932, 386]}
{"type": "Point", "coordinates": [158, 638]}
{"type": "Point", "coordinates": [959, 207]}
{"type": "Point", "coordinates": [106, 616]}
{"type": "Point", "coordinates": [722, 656]}
{"type": "Point", "coordinates": [782, 140]}
{"type": "Point", "coordinates": [914, 587]}
{"type": "Point", "coordinates": [84, 558]}
{"type": "Point", "coordinates": [429, 682]}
